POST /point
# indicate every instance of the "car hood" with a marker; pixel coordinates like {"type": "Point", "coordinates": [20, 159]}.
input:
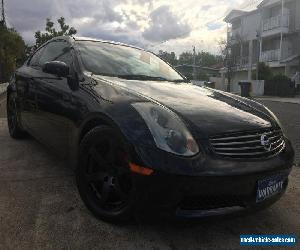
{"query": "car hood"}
{"type": "Point", "coordinates": [209, 111]}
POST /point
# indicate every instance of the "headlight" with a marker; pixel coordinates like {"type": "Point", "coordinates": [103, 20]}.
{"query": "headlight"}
{"type": "Point", "coordinates": [169, 132]}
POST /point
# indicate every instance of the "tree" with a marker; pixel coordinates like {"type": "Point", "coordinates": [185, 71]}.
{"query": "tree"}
{"type": "Point", "coordinates": [12, 50]}
{"type": "Point", "coordinates": [51, 32]}
{"type": "Point", "coordinates": [226, 53]}
{"type": "Point", "coordinates": [264, 72]}
{"type": "Point", "coordinates": [185, 58]}
{"type": "Point", "coordinates": [168, 57]}
{"type": "Point", "coordinates": [205, 59]}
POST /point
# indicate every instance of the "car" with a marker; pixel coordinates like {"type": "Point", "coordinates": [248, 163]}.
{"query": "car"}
{"type": "Point", "coordinates": [140, 137]}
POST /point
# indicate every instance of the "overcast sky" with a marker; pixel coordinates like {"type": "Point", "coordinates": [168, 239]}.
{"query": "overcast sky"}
{"type": "Point", "coordinates": [145, 23]}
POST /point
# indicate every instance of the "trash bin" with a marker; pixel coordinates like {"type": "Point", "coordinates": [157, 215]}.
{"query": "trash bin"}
{"type": "Point", "coordinates": [245, 88]}
{"type": "Point", "coordinates": [209, 84]}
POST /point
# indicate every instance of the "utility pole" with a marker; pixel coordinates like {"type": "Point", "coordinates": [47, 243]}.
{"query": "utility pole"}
{"type": "Point", "coordinates": [194, 63]}
{"type": "Point", "coordinates": [258, 48]}
{"type": "Point", "coordinates": [250, 59]}
{"type": "Point", "coordinates": [281, 25]}
{"type": "Point", "coordinates": [2, 22]}
{"type": "Point", "coordinates": [228, 62]}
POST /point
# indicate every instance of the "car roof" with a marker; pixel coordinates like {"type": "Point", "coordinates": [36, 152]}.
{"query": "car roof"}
{"type": "Point", "coordinates": [78, 38]}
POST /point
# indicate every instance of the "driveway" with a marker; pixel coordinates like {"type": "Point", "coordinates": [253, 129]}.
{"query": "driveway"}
{"type": "Point", "coordinates": [2, 105]}
{"type": "Point", "coordinates": [41, 209]}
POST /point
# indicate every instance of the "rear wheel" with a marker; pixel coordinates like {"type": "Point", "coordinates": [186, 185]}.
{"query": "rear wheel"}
{"type": "Point", "coordinates": [103, 176]}
{"type": "Point", "coordinates": [14, 127]}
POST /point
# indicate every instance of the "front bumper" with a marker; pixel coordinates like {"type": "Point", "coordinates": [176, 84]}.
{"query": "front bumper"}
{"type": "Point", "coordinates": [204, 196]}
{"type": "Point", "coordinates": [206, 185]}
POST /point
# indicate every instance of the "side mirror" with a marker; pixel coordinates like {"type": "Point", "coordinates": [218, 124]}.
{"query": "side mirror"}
{"type": "Point", "coordinates": [58, 68]}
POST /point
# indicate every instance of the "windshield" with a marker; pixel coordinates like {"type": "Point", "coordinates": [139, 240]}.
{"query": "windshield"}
{"type": "Point", "coordinates": [126, 62]}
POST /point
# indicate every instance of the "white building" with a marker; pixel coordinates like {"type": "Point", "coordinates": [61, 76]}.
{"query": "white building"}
{"type": "Point", "coordinates": [270, 34]}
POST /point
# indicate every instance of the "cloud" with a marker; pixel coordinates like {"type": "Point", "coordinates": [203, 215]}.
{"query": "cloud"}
{"type": "Point", "coordinates": [113, 34]}
{"type": "Point", "coordinates": [165, 25]}
{"type": "Point", "coordinates": [178, 23]}
{"type": "Point", "coordinates": [206, 7]}
{"type": "Point", "coordinates": [213, 26]}
{"type": "Point", "coordinates": [108, 14]}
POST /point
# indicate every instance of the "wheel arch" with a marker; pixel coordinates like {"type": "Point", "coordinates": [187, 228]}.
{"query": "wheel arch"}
{"type": "Point", "coordinates": [90, 122]}
{"type": "Point", "coordinates": [94, 120]}
{"type": "Point", "coordinates": [10, 89]}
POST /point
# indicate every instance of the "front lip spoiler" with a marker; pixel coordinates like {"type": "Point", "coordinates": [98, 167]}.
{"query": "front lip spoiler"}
{"type": "Point", "coordinates": [207, 213]}
{"type": "Point", "coordinates": [188, 214]}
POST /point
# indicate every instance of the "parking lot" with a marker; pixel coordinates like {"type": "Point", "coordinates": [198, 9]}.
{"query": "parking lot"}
{"type": "Point", "coordinates": [40, 206]}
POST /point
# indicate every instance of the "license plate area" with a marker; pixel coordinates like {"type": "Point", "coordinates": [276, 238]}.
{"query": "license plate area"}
{"type": "Point", "coordinates": [269, 187]}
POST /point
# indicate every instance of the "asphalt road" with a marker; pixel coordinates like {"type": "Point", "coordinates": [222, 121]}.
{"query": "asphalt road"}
{"type": "Point", "coordinates": [41, 209]}
{"type": "Point", "coordinates": [289, 116]}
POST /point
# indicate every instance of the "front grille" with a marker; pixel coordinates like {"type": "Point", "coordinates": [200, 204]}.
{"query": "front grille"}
{"type": "Point", "coordinates": [210, 202]}
{"type": "Point", "coordinates": [249, 144]}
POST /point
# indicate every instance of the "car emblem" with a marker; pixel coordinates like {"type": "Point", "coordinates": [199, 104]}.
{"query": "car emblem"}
{"type": "Point", "coordinates": [265, 142]}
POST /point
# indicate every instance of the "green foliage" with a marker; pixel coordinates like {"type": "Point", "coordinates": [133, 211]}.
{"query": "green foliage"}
{"type": "Point", "coordinates": [279, 85]}
{"type": "Point", "coordinates": [264, 72]}
{"type": "Point", "coordinates": [280, 77]}
{"type": "Point", "coordinates": [168, 57]}
{"type": "Point", "coordinates": [51, 32]}
{"type": "Point", "coordinates": [12, 50]}
{"type": "Point", "coordinates": [201, 74]}
{"type": "Point", "coordinates": [202, 58]}
{"type": "Point", "coordinates": [186, 59]}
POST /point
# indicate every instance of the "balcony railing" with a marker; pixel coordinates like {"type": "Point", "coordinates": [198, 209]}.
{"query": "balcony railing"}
{"type": "Point", "coordinates": [270, 55]}
{"type": "Point", "coordinates": [244, 60]}
{"type": "Point", "coordinates": [234, 34]}
{"type": "Point", "coordinates": [240, 62]}
{"type": "Point", "coordinates": [276, 22]}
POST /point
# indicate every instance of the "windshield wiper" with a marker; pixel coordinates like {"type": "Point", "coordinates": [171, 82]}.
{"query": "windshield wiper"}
{"type": "Point", "coordinates": [181, 80]}
{"type": "Point", "coordinates": [150, 78]}
{"type": "Point", "coordinates": [143, 77]}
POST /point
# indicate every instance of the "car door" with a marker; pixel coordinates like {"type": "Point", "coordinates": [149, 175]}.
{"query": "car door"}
{"type": "Point", "coordinates": [54, 100]}
{"type": "Point", "coordinates": [26, 89]}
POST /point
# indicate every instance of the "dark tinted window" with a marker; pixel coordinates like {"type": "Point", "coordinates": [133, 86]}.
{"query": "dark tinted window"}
{"type": "Point", "coordinates": [34, 61]}
{"type": "Point", "coordinates": [118, 60]}
{"type": "Point", "coordinates": [56, 51]}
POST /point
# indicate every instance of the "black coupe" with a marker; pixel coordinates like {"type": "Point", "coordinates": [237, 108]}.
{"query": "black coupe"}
{"type": "Point", "coordinates": [141, 137]}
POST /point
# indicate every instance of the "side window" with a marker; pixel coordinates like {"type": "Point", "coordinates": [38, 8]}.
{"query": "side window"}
{"type": "Point", "coordinates": [56, 51]}
{"type": "Point", "coordinates": [34, 61]}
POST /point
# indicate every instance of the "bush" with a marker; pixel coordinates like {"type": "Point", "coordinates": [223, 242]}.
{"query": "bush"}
{"type": "Point", "coordinates": [264, 72]}
{"type": "Point", "coordinates": [280, 85]}
{"type": "Point", "coordinates": [12, 49]}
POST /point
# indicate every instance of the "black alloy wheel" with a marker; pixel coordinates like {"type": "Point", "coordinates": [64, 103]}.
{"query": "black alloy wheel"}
{"type": "Point", "coordinates": [103, 176]}
{"type": "Point", "coordinates": [14, 128]}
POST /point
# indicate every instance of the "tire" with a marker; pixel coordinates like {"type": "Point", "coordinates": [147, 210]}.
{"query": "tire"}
{"type": "Point", "coordinates": [103, 176]}
{"type": "Point", "coordinates": [13, 123]}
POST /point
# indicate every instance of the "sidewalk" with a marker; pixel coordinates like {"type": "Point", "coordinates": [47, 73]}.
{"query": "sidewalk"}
{"type": "Point", "coordinates": [3, 87]}
{"type": "Point", "coordinates": [294, 100]}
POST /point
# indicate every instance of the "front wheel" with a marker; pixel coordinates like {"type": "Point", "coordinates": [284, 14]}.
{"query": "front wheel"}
{"type": "Point", "coordinates": [103, 176]}
{"type": "Point", "coordinates": [14, 127]}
